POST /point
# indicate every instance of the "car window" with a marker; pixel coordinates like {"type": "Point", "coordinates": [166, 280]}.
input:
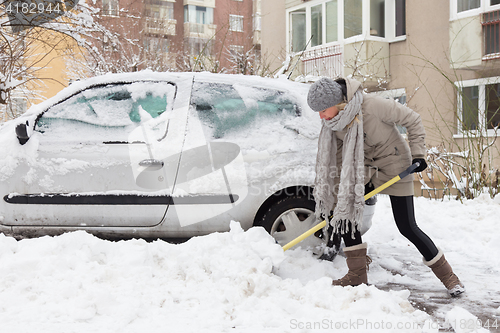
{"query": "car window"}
{"type": "Point", "coordinates": [109, 113]}
{"type": "Point", "coordinates": [227, 107]}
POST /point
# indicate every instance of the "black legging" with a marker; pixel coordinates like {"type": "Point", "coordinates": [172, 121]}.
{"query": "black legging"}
{"type": "Point", "coordinates": [404, 215]}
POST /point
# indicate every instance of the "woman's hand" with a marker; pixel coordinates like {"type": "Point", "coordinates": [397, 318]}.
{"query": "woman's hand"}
{"type": "Point", "coordinates": [422, 166]}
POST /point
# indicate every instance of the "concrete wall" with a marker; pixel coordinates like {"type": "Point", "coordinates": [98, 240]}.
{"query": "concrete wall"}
{"type": "Point", "coordinates": [371, 58]}
{"type": "Point", "coordinates": [426, 66]}
{"type": "Point", "coordinates": [273, 33]}
{"type": "Point", "coordinates": [466, 42]}
{"type": "Point", "coordinates": [292, 3]}
{"type": "Point", "coordinates": [420, 64]}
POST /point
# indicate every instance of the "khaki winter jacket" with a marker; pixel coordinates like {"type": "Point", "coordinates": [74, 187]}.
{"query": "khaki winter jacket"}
{"type": "Point", "coordinates": [387, 152]}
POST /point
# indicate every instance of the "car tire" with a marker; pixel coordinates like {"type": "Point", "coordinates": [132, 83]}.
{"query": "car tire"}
{"type": "Point", "coordinates": [290, 217]}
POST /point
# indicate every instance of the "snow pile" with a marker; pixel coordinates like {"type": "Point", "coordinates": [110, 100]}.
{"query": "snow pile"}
{"type": "Point", "coordinates": [241, 281]}
{"type": "Point", "coordinates": [463, 321]}
{"type": "Point", "coordinates": [217, 283]}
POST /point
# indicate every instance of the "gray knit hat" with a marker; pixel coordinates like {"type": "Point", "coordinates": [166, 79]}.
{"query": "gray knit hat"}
{"type": "Point", "coordinates": [323, 94]}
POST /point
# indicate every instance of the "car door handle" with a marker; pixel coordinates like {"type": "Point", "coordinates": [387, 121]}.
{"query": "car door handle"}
{"type": "Point", "coordinates": [151, 164]}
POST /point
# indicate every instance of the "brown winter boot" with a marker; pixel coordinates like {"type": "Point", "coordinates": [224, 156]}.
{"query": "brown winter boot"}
{"type": "Point", "coordinates": [443, 271]}
{"type": "Point", "coordinates": [357, 263]}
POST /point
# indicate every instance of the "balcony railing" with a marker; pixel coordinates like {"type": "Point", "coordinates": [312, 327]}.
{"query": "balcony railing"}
{"type": "Point", "coordinates": [325, 61]}
{"type": "Point", "coordinates": [160, 26]}
{"type": "Point", "coordinates": [197, 30]}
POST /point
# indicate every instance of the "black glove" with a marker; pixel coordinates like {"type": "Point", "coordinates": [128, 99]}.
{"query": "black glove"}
{"type": "Point", "coordinates": [422, 166]}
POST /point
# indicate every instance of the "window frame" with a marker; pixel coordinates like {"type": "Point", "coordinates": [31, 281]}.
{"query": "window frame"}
{"type": "Point", "coordinates": [236, 23]}
{"type": "Point", "coordinates": [491, 25]}
{"type": "Point", "coordinates": [191, 14]}
{"type": "Point", "coordinates": [389, 24]}
{"type": "Point", "coordinates": [236, 50]}
{"type": "Point", "coordinates": [482, 126]}
{"type": "Point", "coordinates": [111, 11]}
{"type": "Point", "coordinates": [484, 7]}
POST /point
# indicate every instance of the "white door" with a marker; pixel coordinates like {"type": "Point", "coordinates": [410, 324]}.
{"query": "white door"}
{"type": "Point", "coordinates": [103, 157]}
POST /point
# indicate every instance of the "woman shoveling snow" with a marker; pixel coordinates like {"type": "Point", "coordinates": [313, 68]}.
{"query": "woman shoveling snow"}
{"type": "Point", "coordinates": [359, 145]}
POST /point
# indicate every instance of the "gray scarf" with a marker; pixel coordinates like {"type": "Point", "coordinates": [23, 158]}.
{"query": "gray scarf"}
{"type": "Point", "coordinates": [350, 197]}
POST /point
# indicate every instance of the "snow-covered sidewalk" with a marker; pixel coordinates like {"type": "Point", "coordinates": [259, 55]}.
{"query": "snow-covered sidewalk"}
{"type": "Point", "coordinates": [243, 282]}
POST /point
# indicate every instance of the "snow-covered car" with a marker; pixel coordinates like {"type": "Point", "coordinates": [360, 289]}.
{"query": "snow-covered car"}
{"type": "Point", "coordinates": [162, 155]}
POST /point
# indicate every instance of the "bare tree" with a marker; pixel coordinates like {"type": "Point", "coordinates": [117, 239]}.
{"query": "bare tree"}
{"type": "Point", "coordinates": [25, 48]}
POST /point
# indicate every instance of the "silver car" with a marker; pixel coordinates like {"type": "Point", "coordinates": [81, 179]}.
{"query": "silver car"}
{"type": "Point", "coordinates": [162, 155]}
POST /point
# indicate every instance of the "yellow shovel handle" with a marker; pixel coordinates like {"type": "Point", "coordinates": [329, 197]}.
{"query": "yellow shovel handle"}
{"type": "Point", "coordinates": [382, 187]}
{"type": "Point", "coordinates": [306, 234]}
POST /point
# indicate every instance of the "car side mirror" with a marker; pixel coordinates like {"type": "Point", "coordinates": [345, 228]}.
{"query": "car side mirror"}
{"type": "Point", "coordinates": [22, 133]}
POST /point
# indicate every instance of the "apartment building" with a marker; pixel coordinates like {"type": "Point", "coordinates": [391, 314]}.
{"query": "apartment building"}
{"type": "Point", "coordinates": [176, 35]}
{"type": "Point", "coordinates": [441, 58]}
{"type": "Point", "coordinates": [181, 34]}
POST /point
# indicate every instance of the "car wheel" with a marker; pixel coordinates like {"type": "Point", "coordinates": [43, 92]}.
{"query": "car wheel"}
{"type": "Point", "coordinates": [289, 218]}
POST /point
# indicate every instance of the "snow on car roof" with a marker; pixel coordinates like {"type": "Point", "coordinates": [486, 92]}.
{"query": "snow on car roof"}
{"type": "Point", "coordinates": [148, 75]}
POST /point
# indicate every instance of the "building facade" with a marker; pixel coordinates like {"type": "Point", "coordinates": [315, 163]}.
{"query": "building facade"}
{"type": "Point", "coordinates": [214, 35]}
{"type": "Point", "coordinates": [441, 58]}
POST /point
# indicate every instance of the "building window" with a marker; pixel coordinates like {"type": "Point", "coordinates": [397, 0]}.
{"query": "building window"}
{"type": "Point", "coordinates": [479, 105]}
{"type": "Point", "coordinates": [201, 15]}
{"type": "Point", "coordinates": [491, 33]}
{"type": "Point", "coordinates": [316, 25]}
{"type": "Point", "coordinates": [110, 7]}
{"type": "Point", "coordinates": [235, 22]}
{"type": "Point", "coordinates": [198, 14]}
{"type": "Point", "coordinates": [156, 45]}
{"type": "Point", "coordinates": [298, 30]}
{"type": "Point", "coordinates": [332, 34]}
{"type": "Point", "coordinates": [199, 46]}
{"type": "Point", "coordinates": [492, 110]}
{"type": "Point", "coordinates": [160, 10]}
{"type": "Point", "coordinates": [236, 50]}
{"type": "Point", "coordinates": [494, 2]}
{"type": "Point", "coordinates": [353, 18]}
{"type": "Point", "coordinates": [377, 18]}
{"type": "Point", "coordinates": [400, 18]}
{"type": "Point", "coordinates": [470, 108]}
{"type": "Point", "coordinates": [463, 5]}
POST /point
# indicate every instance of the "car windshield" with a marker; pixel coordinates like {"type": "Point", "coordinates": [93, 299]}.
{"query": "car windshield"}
{"type": "Point", "coordinates": [225, 107]}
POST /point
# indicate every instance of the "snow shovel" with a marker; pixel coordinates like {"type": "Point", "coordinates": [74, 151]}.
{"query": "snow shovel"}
{"type": "Point", "coordinates": [382, 187]}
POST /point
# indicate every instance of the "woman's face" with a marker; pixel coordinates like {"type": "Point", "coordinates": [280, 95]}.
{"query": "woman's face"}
{"type": "Point", "coordinates": [329, 113]}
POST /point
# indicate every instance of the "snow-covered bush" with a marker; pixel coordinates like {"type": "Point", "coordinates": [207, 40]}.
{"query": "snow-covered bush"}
{"type": "Point", "coordinates": [464, 173]}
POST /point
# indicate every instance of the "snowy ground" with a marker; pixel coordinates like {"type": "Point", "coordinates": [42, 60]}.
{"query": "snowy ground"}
{"type": "Point", "coordinates": [243, 282]}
